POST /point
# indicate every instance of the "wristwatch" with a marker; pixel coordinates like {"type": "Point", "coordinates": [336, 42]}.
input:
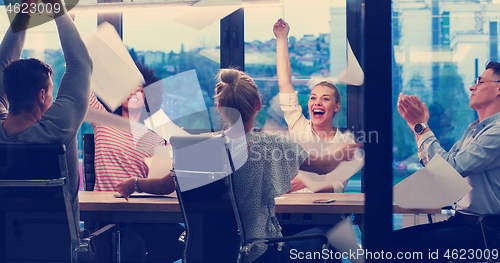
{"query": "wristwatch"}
{"type": "Point", "coordinates": [420, 127]}
{"type": "Point", "coordinates": [136, 186]}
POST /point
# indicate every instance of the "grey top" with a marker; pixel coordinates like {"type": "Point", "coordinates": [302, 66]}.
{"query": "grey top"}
{"type": "Point", "coordinates": [60, 123]}
{"type": "Point", "coordinates": [273, 161]}
{"type": "Point", "coordinates": [477, 158]}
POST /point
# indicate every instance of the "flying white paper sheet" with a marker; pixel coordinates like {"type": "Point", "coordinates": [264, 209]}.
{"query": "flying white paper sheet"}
{"type": "Point", "coordinates": [206, 12]}
{"type": "Point", "coordinates": [106, 118]}
{"type": "Point", "coordinates": [344, 170]}
{"type": "Point", "coordinates": [182, 89]}
{"type": "Point", "coordinates": [114, 75]}
{"type": "Point", "coordinates": [237, 142]}
{"type": "Point", "coordinates": [160, 163]}
{"type": "Point", "coordinates": [342, 238]}
{"type": "Point", "coordinates": [436, 185]}
{"type": "Point", "coordinates": [353, 74]}
{"type": "Point", "coordinates": [163, 126]}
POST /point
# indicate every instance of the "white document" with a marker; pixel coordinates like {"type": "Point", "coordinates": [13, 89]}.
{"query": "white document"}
{"type": "Point", "coordinates": [160, 163]}
{"type": "Point", "coordinates": [341, 237]}
{"type": "Point", "coordinates": [182, 89]}
{"type": "Point", "coordinates": [353, 74]}
{"type": "Point", "coordinates": [161, 124]}
{"type": "Point", "coordinates": [113, 120]}
{"type": "Point", "coordinates": [436, 185]}
{"type": "Point", "coordinates": [114, 74]}
{"type": "Point", "coordinates": [206, 12]}
{"type": "Point", "coordinates": [344, 170]}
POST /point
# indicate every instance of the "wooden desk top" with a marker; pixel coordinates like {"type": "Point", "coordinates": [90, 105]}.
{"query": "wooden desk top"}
{"type": "Point", "coordinates": [289, 203]}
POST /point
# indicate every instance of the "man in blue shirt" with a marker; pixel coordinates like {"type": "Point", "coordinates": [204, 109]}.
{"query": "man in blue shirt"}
{"type": "Point", "coordinates": [477, 158]}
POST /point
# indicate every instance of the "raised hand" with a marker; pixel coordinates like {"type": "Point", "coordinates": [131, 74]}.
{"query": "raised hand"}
{"type": "Point", "coordinates": [281, 29]}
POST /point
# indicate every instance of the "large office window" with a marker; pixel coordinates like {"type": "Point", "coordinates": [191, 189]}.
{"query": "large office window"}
{"type": "Point", "coordinates": [167, 46]}
{"type": "Point", "coordinates": [440, 47]}
{"type": "Point", "coordinates": [86, 24]}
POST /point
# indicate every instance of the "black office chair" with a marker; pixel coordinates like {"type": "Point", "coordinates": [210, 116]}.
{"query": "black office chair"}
{"type": "Point", "coordinates": [203, 168]}
{"type": "Point", "coordinates": [37, 218]}
{"type": "Point", "coordinates": [88, 161]}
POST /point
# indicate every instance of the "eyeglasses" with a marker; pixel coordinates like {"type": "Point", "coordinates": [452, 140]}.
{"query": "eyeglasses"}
{"type": "Point", "coordinates": [480, 80]}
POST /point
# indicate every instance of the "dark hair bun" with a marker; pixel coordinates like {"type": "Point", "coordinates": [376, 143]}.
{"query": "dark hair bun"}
{"type": "Point", "coordinates": [229, 76]}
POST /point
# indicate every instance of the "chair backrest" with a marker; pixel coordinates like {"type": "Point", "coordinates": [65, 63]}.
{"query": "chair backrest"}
{"type": "Point", "coordinates": [88, 161]}
{"type": "Point", "coordinates": [202, 166]}
{"type": "Point", "coordinates": [37, 223]}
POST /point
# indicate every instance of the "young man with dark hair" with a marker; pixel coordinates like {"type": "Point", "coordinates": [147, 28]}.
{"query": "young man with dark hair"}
{"type": "Point", "coordinates": [30, 76]}
{"type": "Point", "coordinates": [27, 114]}
{"type": "Point", "coordinates": [477, 158]}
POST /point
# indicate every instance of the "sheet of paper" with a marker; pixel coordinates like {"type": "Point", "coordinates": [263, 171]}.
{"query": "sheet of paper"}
{"type": "Point", "coordinates": [274, 124]}
{"type": "Point", "coordinates": [182, 89]}
{"type": "Point", "coordinates": [161, 124]}
{"type": "Point", "coordinates": [160, 163]}
{"type": "Point", "coordinates": [353, 74]}
{"type": "Point", "coordinates": [344, 170]}
{"type": "Point", "coordinates": [114, 74]}
{"type": "Point", "coordinates": [436, 185]}
{"type": "Point", "coordinates": [341, 237]}
{"type": "Point", "coordinates": [206, 12]}
{"type": "Point", "coordinates": [237, 141]}
{"type": "Point", "coordinates": [106, 118]}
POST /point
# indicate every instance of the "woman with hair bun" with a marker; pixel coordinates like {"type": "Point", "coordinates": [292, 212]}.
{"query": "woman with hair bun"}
{"type": "Point", "coordinates": [273, 161]}
{"type": "Point", "coordinates": [323, 104]}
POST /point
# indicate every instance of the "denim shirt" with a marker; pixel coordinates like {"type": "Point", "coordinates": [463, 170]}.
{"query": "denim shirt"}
{"type": "Point", "coordinates": [477, 158]}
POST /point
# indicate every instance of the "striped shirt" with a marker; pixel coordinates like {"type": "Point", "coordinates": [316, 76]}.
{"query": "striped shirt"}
{"type": "Point", "coordinates": [120, 154]}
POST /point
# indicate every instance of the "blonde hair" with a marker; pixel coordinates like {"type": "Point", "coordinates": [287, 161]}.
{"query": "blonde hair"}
{"type": "Point", "coordinates": [330, 84]}
{"type": "Point", "coordinates": [238, 91]}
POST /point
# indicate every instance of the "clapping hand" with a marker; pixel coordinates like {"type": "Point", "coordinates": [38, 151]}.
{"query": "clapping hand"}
{"type": "Point", "coordinates": [412, 109]}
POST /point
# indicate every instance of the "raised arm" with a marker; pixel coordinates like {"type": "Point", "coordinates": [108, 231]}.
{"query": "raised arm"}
{"type": "Point", "coordinates": [10, 50]}
{"type": "Point", "coordinates": [284, 71]}
{"type": "Point", "coordinates": [96, 104]}
{"type": "Point", "coordinates": [70, 107]}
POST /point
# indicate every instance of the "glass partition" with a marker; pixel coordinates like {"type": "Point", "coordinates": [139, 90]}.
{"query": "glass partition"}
{"type": "Point", "coordinates": [440, 47]}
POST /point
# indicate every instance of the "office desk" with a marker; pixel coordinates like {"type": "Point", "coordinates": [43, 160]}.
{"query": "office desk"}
{"type": "Point", "coordinates": [290, 208]}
